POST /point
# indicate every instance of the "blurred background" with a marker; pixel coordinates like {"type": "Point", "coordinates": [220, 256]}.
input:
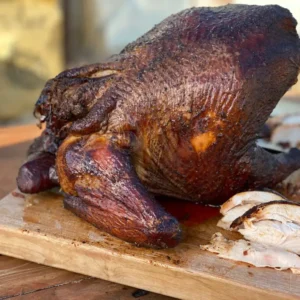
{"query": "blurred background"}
{"type": "Point", "coordinates": [40, 38]}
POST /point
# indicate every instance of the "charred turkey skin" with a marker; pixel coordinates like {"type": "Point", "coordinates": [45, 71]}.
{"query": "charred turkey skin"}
{"type": "Point", "coordinates": [176, 113]}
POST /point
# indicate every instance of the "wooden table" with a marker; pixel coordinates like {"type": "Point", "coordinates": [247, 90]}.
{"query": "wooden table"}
{"type": "Point", "coordinates": [20, 279]}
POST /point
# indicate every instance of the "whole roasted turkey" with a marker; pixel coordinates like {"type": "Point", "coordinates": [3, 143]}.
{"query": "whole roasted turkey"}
{"type": "Point", "coordinates": [176, 113]}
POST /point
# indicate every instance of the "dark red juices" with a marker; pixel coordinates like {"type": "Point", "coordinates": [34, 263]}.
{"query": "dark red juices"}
{"type": "Point", "coordinates": [188, 213]}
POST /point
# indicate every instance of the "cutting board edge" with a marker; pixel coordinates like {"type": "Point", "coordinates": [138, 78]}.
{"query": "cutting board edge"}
{"type": "Point", "coordinates": [210, 287]}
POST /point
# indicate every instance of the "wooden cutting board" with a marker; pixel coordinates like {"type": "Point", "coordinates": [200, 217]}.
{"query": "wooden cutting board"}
{"type": "Point", "coordinates": [37, 228]}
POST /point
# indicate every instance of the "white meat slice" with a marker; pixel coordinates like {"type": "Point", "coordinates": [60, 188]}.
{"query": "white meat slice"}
{"type": "Point", "coordinates": [283, 211]}
{"type": "Point", "coordinates": [249, 197]}
{"type": "Point", "coordinates": [233, 214]}
{"type": "Point", "coordinates": [278, 120]}
{"type": "Point", "coordinates": [275, 233]}
{"type": "Point", "coordinates": [253, 253]}
{"type": "Point", "coordinates": [287, 134]}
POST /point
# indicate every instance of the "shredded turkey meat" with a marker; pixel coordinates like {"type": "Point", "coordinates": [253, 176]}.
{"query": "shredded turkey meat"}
{"type": "Point", "coordinates": [249, 197]}
{"type": "Point", "coordinates": [274, 233]}
{"type": "Point", "coordinates": [253, 253]}
{"type": "Point", "coordinates": [240, 203]}
{"type": "Point", "coordinates": [270, 225]}
{"type": "Point", "coordinates": [284, 211]}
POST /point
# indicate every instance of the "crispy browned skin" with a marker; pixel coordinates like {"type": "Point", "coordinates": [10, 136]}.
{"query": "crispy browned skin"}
{"type": "Point", "coordinates": [176, 113]}
{"type": "Point", "coordinates": [256, 209]}
{"type": "Point", "coordinates": [102, 188]}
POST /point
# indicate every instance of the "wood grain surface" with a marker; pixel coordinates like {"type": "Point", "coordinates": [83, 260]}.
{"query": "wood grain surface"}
{"type": "Point", "coordinates": [39, 229]}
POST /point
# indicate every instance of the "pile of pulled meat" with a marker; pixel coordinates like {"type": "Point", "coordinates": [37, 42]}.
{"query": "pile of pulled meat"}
{"type": "Point", "coordinates": [270, 225]}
